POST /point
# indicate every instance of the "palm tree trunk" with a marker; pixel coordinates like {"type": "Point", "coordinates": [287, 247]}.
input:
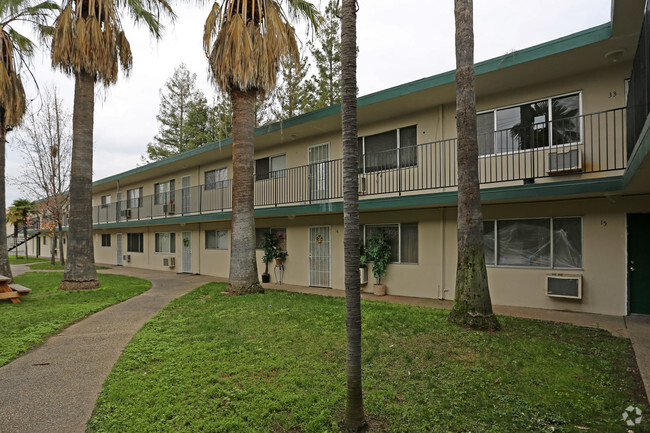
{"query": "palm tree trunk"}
{"type": "Point", "coordinates": [80, 272]}
{"type": "Point", "coordinates": [472, 304]}
{"type": "Point", "coordinates": [25, 233]}
{"type": "Point", "coordinates": [5, 268]}
{"type": "Point", "coordinates": [243, 266]}
{"type": "Point", "coordinates": [354, 416]}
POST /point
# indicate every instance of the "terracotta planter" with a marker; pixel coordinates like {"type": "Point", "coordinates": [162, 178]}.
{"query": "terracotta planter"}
{"type": "Point", "coordinates": [278, 261]}
{"type": "Point", "coordinates": [380, 290]}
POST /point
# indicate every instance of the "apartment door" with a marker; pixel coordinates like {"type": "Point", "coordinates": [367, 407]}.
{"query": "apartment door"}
{"type": "Point", "coordinates": [187, 252]}
{"type": "Point", "coordinates": [186, 183]}
{"type": "Point", "coordinates": [118, 248]}
{"type": "Point", "coordinates": [118, 206]}
{"type": "Point", "coordinates": [319, 157]}
{"type": "Point", "coordinates": [319, 257]}
{"type": "Point", "coordinates": [638, 262]}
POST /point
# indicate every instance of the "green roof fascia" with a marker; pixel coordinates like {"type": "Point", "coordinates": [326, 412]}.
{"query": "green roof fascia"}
{"type": "Point", "coordinates": [583, 186]}
{"type": "Point", "coordinates": [640, 152]}
{"type": "Point", "coordinates": [565, 43]}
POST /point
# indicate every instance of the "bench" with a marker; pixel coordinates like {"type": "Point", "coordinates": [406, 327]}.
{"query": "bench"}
{"type": "Point", "coordinates": [12, 291]}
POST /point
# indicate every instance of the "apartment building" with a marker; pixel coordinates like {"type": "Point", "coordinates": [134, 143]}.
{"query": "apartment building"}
{"type": "Point", "coordinates": [564, 166]}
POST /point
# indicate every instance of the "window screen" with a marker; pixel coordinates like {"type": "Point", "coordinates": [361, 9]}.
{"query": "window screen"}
{"type": "Point", "coordinates": [106, 240]}
{"type": "Point", "coordinates": [262, 168]}
{"type": "Point", "coordinates": [135, 242]}
{"type": "Point", "coordinates": [216, 239]}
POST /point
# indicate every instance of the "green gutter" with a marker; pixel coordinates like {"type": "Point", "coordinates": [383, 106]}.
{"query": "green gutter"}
{"type": "Point", "coordinates": [561, 188]}
{"type": "Point", "coordinates": [556, 46]}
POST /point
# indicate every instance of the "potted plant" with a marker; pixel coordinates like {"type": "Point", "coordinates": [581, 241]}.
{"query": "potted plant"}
{"type": "Point", "coordinates": [269, 246]}
{"type": "Point", "coordinates": [379, 253]}
{"type": "Point", "coordinates": [363, 269]}
{"type": "Point", "coordinates": [280, 256]}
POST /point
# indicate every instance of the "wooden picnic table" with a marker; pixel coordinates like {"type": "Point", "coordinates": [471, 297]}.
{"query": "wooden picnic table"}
{"type": "Point", "coordinates": [12, 291]}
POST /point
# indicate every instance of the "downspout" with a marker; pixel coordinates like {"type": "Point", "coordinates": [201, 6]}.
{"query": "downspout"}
{"type": "Point", "coordinates": [441, 289]}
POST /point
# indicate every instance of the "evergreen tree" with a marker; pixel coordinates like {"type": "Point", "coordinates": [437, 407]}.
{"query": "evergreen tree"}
{"type": "Point", "coordinates": [294, 95]}
{"type": "Point", "coordinates": [327, 54]}
{"type": "Point", "coordinates": [183, 107]}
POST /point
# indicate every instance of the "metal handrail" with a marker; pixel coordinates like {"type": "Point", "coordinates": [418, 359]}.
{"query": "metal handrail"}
{"type": "Point", "coordinates": [588, 143]}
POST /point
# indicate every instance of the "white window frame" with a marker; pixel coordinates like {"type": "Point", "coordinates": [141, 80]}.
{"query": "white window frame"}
{"type": "Point", "coordinates": [218, 183]}
{"type": "Point", "coordinates": [137, 198]}
{"type": "Point", "coordinates": [399, 240]}
{"type": "Point", "coordinates": [274, 174]}
{"type": "Point", "coordinates": [550, 118]}
{"type": "Point", "coordinates": [362, 163]}
{"type": "Point", "coordinates": [552, 257]}
{"type": "Point", "coordinates": [106, 200]}
{"type": "Point", "coordinates": [216, 233]}
{"type": "Point", "coordinates": [166, 191]}
{"type": "Point", "coordinates": [169, 243]}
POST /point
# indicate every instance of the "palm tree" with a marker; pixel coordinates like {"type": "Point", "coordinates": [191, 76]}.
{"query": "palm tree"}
{"type": "Point", "coordinates": [88, 43]}
{"type": "Point", "coordinates": [23, 209]}
{"type": "Point", "coordinates": [354, 416]}
{"type": "Point", "coordinates": [245, 41]}
{"type": "Point", "coordinates": [15, 49]}
{"type": "Point", "coordinates": [472, 304]}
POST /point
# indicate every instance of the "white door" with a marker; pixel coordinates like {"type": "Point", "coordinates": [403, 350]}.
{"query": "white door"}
{"type": "Point", "coordinates": [118, 247]}
{"type": "Point", "coordinates": [319, 256]}
{"type": "Point", "coordinates": [186, 183]}
{"type": "Point", "coordinates": [187, 252]}
{"type": "Point", "coordinates": [319, 161]}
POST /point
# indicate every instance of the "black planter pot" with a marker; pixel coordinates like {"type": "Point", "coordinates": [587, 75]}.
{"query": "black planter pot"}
{"type": "Point", "coordinates": [266, 278]}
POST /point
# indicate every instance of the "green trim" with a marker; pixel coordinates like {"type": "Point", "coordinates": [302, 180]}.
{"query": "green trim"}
{"type": "Point", "coordinates": [639, 154]}
{"type": "Point", "coordinates": [560, 188]}
{"type": "Point", "coordinates": [566, 43]}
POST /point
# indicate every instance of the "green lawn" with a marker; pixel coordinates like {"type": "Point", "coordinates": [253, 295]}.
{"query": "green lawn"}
{"type": "Point", "coordinates": [46, 310]}
{"type": "Point", "coordinates": [49, 267]}
{"type": "Point", "coordinates": [21, 259]}
{"type": "Point", "coordinates": [276, 363]}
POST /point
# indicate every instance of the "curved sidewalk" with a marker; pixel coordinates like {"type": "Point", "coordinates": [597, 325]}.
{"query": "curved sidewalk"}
{"type": "Point", "coordinates": [53, 388]}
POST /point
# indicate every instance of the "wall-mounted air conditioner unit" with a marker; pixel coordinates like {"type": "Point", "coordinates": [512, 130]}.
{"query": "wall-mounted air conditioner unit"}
{"type": "Point", "coordinates": [127, 258]}
{"type": "Point", "coordinates": [126, 213]}
{"type": "Point", "coordinates": [564, 286]}
{"type": "Point", "coordinates": [568, 161]}
{"type": "Point", "coordinates": [172, 262]}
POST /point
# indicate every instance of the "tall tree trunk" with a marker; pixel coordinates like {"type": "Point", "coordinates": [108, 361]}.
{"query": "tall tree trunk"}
{"type": "Point", "coordinates": [25, 234]}
{"type": "Point", "coordinates": [80, 272]}
{"type": "Point", "coordinates": [354, 416]}
{"type": "Point", "coordinates": [53, 249]}
{"type": "Point", "coordinates": [5, 268]}
{"type": "Point", "coordinates": [62, 256]}
{"type": "Point", "coordinates": [472, 304]}
{"type": "Point", "coordinates": [243, 265]}
{"type": "Point", "coordinates": [16, 239]}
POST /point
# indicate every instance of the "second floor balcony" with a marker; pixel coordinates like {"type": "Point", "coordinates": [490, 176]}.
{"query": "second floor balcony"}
{"type": "Point", "coordinates": [583, 146]}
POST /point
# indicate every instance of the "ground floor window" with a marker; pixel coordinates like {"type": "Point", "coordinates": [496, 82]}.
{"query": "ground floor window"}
{"type": "Point", "coordinates": [279, 232]}
{"type": "Point", "coordinates": [216, 239]}
{"type": "Point", "coordinates": [106, 240]}
{"type": "Point", "coordinates": [135, 242]}
{"type": "Point", "coordinates": [534, 242]}
{"type": "Point", "coordinates": [404, 240]}
{"type": "Point", "coordinates": [165, 242]}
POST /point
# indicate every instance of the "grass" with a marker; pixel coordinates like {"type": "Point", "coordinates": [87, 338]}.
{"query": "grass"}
{"type": "Point", "coordinates": [46, 310]}
{"type": "Point", "coordinates": [21, 260]}
{"type": "Point", "coordinates": [276, 363]}
{"type": "Point", "coordinates": [49, 267]}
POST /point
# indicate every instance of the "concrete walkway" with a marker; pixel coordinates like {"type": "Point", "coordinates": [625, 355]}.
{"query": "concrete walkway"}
{"type": "Point", "coordinates": [53, 388]}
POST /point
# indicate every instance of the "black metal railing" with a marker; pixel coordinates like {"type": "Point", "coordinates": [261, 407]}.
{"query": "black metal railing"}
{"type": "Point", "coordinates": [591, 143]}
{"type": "Point", "coordinates": [638, 99]}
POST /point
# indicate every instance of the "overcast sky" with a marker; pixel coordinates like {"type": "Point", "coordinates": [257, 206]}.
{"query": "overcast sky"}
{"type": "Point", "coordinates": [399, 41]}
